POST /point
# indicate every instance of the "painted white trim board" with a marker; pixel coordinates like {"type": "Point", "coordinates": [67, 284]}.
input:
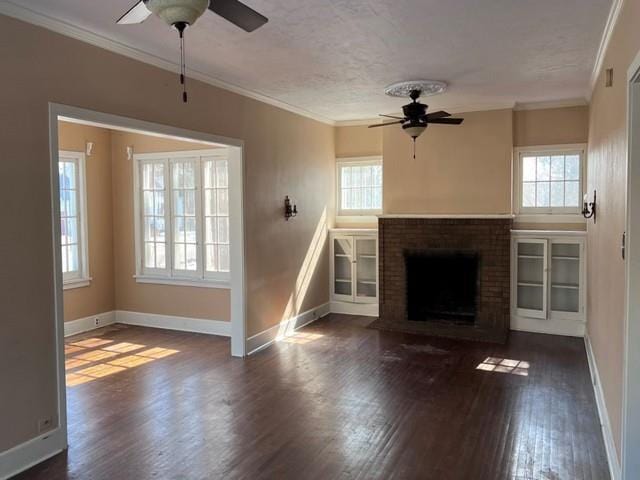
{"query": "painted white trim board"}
{"type": "Point", "coordinates": [612, 456]}
{"type": "Point", "coordinates": [446, 216]}
{"type": "Point", "coordinates": [262, 340]}
{"type": "Point", "coordinates": [349, 308]}
{"type": "Point", "coordinates": [169, 322]}
{"type": "Point", "coordinates": [612, 20]}
{"type": "Point", "coordinates": [565, 327]}
{"type": "Point", "coordinates": [87, 324]}
{"type": "Point", "coordinates": [30, 453]}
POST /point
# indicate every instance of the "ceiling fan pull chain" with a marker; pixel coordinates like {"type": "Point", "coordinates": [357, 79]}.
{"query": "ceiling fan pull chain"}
{"type": "Point", "coordinates": [414, 148]}
{"type": "Point", "coordinates": [183, 68]}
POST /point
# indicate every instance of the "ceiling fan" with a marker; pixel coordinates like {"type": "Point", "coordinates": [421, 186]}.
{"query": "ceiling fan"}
{"type": "Point", "coordinates": [181, 14]}
{"type": "Point", "coordinates": [416, 119]}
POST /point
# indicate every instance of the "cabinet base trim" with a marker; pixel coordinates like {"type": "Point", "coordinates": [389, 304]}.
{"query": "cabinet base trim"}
{"type": "Point", "coordinates": [364, 309]}
{"type": "Point", "coordinates": [566, 327]}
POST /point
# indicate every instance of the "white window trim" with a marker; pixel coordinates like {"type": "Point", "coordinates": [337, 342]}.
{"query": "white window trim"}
{"type": "Point", "coordinates": [199, 278]}
{"type": "Point", "coordinates": [547, 215]}
{"type": "Point", "coordinates": [82, 278]}
{"type": "Point", "coordinates": [356, 216]}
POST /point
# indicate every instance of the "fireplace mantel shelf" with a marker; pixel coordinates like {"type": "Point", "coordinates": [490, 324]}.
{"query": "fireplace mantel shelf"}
{"type": "Point", "coordinates": [449, 216]}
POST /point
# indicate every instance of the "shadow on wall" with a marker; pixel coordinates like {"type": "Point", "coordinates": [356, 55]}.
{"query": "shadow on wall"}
{"type": "Point", "coordinates": [307, 271]}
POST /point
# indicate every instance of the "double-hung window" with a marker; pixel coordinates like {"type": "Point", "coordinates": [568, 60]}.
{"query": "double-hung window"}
{"type": "Point", "coordinates": [182, 213]}
{"type": "Point", "coordinates": [73, 219]}
{"type": "Point", "coordinates": [359, 189]}
{"type": "Point", "coordinates": [549, 181]}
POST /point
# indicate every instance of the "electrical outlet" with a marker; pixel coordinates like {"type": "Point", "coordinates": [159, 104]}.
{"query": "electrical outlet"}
{"type": "Point", "coordinates": [97, 321]}
{"type": "Point", "coordinates": [44, 425]}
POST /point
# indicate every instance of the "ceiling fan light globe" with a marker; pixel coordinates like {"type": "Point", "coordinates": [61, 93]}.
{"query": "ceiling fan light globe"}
{"type": "Point", "coordinates": [178, 11]}
{"type": "Point", "coordinates": [414, 131]}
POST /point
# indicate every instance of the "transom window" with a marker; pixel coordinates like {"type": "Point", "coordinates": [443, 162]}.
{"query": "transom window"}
{"type": "Point", "coordinates": [550, 180]}
{"type": "Point", "coordinates": [73, 218]}
{"type": "Point", "coordinates": [183, 215]}
{"type": "Point", "coordinates": [359, 186]}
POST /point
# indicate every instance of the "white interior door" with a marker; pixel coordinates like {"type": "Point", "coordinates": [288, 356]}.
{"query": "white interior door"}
{"type": "Point", "coordinates": [531, 277]}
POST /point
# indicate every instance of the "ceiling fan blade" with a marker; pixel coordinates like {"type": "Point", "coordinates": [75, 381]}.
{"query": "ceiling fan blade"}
{"type": "Point", "coordinates": [136, 14]}
{"type": "Point", "coordinates": [392, 116]}
{"type": "Point", "coordinates": [439, 114]}
{"type": "Point", "coordinates": [238, 13]}
{"type": "Point", "coordinates": [385, 124]}
{"type": "Point", "coordinates": [447, 121]}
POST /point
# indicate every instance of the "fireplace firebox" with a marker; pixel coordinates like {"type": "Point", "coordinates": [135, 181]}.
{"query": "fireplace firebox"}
{"type": "Point", "coordinates": [442, 286]}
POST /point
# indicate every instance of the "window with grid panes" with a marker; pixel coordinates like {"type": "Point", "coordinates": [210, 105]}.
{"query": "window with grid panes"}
{"type": "Point", "coordinates": [360, 187]}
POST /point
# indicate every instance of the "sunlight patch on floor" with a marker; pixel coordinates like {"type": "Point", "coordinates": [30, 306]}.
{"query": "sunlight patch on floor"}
{"type": "Point", "coordinates": [301, 338]}
{"type": "Point", "coordinates": [94, 358]}
{"type": "Point", "coordinates": [505, 365]}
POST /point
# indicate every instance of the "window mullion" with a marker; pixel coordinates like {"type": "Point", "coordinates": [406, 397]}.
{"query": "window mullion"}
{"type": "Point", "coordinates": [168, 215]}
{"type": "Point", "coordinates": [199, 184]}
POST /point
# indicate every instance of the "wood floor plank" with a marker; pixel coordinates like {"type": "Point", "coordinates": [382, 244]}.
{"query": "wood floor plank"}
{"type": "Point", "coordinates": [335, 401]}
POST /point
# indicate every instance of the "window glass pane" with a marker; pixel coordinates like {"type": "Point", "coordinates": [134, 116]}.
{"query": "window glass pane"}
{"type": "Point", "coordinates": [367, 179]}
{"type": "Point", "coordinates": [160, 229]}
{"type": "Point", "coordinates": [161, 261]}
{"type": "Point", "coordinates": [529, 194]}
{"type": "Point", "coordinates": [223, 258]}
{"type": "Point", "coordinates": [72, 258]}
{"type": "Point", "coordinates": [557, 194]}
{"type": "Point", "coordinates": [210, 230]}
{"type": "Point", "coordinates": [543, 168]}
{"type": "Point", "coordinates": [212, 263]}
{"type": "Point", "coordinates": [346, 177]}
{"type": "Point", "coordinates": [208, 174]}
{"type": "Point", "coordinates": [148, 228]}
{"type": "Point", "coordinates": [542, 194]}
{"type": "Point", "coordinates": [529, 169]}
{"type": "Point", "coordinates": [178, 175]}
{"type": "Point", "coordinates": [377, 175]}
{"type": "Point", "coordinates": [149, 255]}
{"type": "Point", "coordinates": [65, 265]}
{"type": "Point", "coordinates": [192, 257]}
{"type": "Point", "coordinates": [190, 229]}
{"type": "Point", "coordinates": [223, 202]}
{"type": "Point", "coordinates": [189, 175]}
{"type": "Point", "coordinates": [572, 167]}
{"type": "Point", "coordinates": [147, 175]}
{"type": "Point", "coordinates": [148, 203]}
{"type": "Point", "coordinates": [72, 230]}
{"type": "Point", "coordinates": [572, 194]}
{"type": "Point", "coordinates": [209, 202]}
{"type": "Point", "coordinates": [346, 199]}
{"type": "Point", "coordinates": [159, 203]}
{"type": "Point", "coordinates": [70, 174]}
{"type": "Point", "coordinates": [377, 198]}
{"type": "Point", "coordinates": [222, 176]}
{"type": "Point", "coordinates": [159, 176]}
{"type": "Point", "coordinates": [178, 230]}
{"type": "Point", "coordinates": [356, 198]}
{"type": "Point", "coordinates": [190, 202]}
{"type": "Point", "coordinates": [223, 230]}
{"type": "Point", "coordinates": [557, 167]}
{"type": "Point", "coordinates": [179, 262]}
{"type": "Point", "coordinates": [178, 203]}
{"type": "Point", "coordinates": [356, 176]}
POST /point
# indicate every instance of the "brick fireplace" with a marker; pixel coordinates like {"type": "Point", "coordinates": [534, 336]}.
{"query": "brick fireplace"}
{"type": "Point", "coordinates": [445, 276]}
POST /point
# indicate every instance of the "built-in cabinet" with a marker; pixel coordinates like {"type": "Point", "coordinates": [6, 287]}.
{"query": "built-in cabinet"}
{"type": "Point", "coordinates": [548, 282]}
{"type": "Point", "coordinates": [354, 271]}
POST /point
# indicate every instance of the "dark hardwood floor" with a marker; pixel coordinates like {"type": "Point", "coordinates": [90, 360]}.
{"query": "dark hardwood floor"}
{"type": "Point", "coordinates": [336, 401]}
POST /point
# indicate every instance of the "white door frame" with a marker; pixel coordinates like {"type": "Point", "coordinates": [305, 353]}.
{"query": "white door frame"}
{"type": "Point", "coordinates": [236, 175]}
{"type": "Point", "coordinates": [631, 379]}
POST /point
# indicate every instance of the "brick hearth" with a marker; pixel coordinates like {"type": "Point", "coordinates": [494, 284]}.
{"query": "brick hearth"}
{"type": "Point", "coordinates": [489, 237]}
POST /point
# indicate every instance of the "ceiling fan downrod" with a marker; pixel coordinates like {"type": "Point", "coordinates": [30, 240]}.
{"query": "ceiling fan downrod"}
{"type": "Point", "coordinates": [181, 27]}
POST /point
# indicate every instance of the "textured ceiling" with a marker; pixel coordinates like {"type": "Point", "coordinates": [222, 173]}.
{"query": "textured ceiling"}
{"type": "Point", "coordinates": [334, 57]}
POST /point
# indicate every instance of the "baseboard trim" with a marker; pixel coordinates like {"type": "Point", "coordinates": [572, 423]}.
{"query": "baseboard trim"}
{"type": "Point", "coordinates": [264, 339]}
{"type": "Point", "coordinates": [612, 456]}
{"type": "Point", "coordinates": [566, 328]}
{"type": "Point", "coordinates": [363, 309]}
{"type": "Point", "coordinates": [170, 322]}
{"type": "Point", "coordinates": [30, 453]}
{"type": "Point", "coordinates": [87, 324]}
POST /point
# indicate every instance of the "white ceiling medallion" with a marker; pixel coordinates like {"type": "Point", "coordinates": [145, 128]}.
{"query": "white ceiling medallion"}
{"type": "Point", "coordinates": [425, 87]}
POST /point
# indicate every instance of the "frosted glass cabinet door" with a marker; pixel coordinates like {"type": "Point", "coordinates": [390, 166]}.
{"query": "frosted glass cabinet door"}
{"type": "Point", "coordinates": [531, 278]}
{"type": "Point", "coordinates": [366, 270]}
{"type": "Point", "coordinates": [343, 267]}
{"type": "Point", "coordinates": [565, 277]}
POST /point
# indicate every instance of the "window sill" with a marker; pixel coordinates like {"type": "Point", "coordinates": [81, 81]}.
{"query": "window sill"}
{"type": "Point", "coordinates": [549, 218]}
{"type": "Point", "coordinates": [76, 283]}
{"type": "Point", "coordinates": [183, 282]}
{"type": "Point", "coordinates": [366, 218]}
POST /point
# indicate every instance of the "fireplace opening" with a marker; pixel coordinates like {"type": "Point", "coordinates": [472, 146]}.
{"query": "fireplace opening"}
{"type": "Point", "coordinates": [442, 286]}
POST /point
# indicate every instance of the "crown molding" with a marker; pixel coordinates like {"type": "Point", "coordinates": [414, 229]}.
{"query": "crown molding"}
{"type": "Point", "coordinates": [612, 20]}
{"type": "Point", "coordinates": [359, 123]}
{"type": "Point", "coordinates": [33, 17]}
{"type": "Point", "coordinates": [569, 102]}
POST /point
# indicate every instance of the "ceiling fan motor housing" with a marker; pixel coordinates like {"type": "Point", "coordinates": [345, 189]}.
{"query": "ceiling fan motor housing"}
{"type": "Point", "coordinates": [174, 12]}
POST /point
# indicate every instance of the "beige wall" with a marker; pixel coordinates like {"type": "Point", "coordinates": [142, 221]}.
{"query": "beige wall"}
{"type": "Point", "coordinates": [607, 175]}
{"type": "Point", "coordinates": [458, 169]}
{"type": "Point", "coordinates": [204, 303]}
{"type": "Point", "coordinates": [358, 141]}
{"type": "Point", "coordinates": [551, 126]}
{"type": "Point", "coordinates": [99, 296]}
{"type": "Point", "coordinates": [285, 154]}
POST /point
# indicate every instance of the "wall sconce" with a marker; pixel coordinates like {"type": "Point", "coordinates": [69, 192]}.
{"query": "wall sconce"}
{"type": "Point", "coordinates": [129, 153]}
{"type": "Point", "coordinates": [289, 211]}
{"type": "Point", "coordinates": [89, 148]}
{"type": "Point", "coordinates": [589, 209]}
